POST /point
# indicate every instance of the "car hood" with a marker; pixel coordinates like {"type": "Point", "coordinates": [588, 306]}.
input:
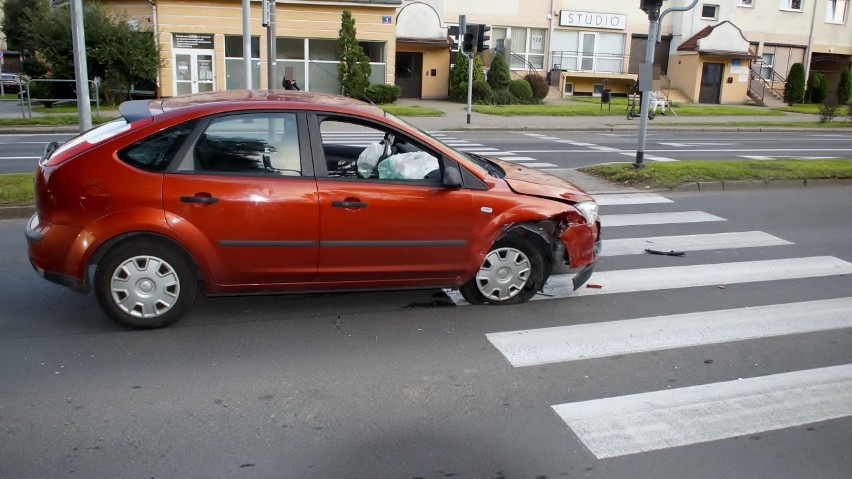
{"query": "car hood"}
{"type": "Point", "coordinates": [532, 182]}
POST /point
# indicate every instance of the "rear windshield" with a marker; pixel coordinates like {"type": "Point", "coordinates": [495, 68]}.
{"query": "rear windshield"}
{"type": "Point", "coordinates": [96, 134]}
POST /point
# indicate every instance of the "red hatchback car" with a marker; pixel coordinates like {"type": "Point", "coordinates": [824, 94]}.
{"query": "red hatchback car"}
{"type": "Point", "coordinates": [274, 192]}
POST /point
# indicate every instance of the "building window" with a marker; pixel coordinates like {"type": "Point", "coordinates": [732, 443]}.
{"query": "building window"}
{"type": "Point", "coordinates": [709, 12]}
{"type": "Point", "coordinates": [836, 11]}
{"type": "Point", "coordinates": [522, 47]}
{"type": "Point", "coordinates": [745, 3]}
{"type": "Point", "coordinates": [312, 62]}
{"type": "Point", "coordinates": [589, 51]}
{"type": "Point", "coordinates": [794, 5]}
{"type": "Point", "coordinates": [766, 68]}
{"type": "Point", "coordinates": [235, 78]}
{"type": "Point", "coordinates": [569, 88]}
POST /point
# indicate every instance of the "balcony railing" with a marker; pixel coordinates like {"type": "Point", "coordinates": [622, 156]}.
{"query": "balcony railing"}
{"type": "Point", "coordinates": [591, 63]}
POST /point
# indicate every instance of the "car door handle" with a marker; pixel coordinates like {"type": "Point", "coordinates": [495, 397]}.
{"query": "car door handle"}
{"type": "Point", "coordinates": [199, 198]}
{"type": "Point", "coordinates": [349, 204]}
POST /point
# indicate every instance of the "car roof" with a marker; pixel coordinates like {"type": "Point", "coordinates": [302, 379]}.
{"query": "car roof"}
{"type": "Point", "coordinates": [236, 99]}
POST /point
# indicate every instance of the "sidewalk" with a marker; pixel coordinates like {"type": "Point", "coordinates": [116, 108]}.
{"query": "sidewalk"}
{"type": "Point", "coordinates": [455, 118]}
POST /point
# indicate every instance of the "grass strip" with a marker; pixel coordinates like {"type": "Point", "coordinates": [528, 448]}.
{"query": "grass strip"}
{"type": "Point", "coordinates": [53, 120]}
{"type": "Point", "coordinates": [410, 110]}
{"type": "Point", "coordinates": [17, 189]}
{"type": "Point", "coordinates": [669, 175]}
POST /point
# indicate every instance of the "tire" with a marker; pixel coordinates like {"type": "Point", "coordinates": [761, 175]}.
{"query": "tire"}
{"type": "Point", "coordinates": [630, 115]}
{"type": "Point", "coordinates": [145, 284]}
{"type": "Point", "coordinates": [511, 273]}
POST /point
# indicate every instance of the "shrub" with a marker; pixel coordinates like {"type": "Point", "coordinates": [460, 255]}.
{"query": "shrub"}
{"type": "Point", "coordinates": [794, 88]}
{"type": "Point", "coordinates": [522, 90]}
{"type": "Point", "coordinates": [383, 93]}
{"type": "Point", "coordinates": [817, 87]}
{"type": "Point", "coordinates": [478, 72]}
{"type": "Point", "coordinates": [459, 93]}
{"type": "Point", "coordinates": [539, 85]}
{"type": "Point", "coordinates": [458, 74]}
{"type": "Point", "coordinates": [827, 111]}
{"type": "Point", "coordinates": [498, 75]}
{"type": "Point", "coordinates": [481, 92]}
{"type": "Point", "coordinates": [844, 88]}
{"type": "Point", "coordinates": [503, 97]}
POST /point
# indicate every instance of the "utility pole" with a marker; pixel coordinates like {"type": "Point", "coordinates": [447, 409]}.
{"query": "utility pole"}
{"type": "Point", "coordinates": [247, 43]}
{"type": "Point", "coordinates": [78, 38]}
{"type": "Point", "coordinates": [646, 70]}
{"type": "Point", "coordinates": [269, 23]}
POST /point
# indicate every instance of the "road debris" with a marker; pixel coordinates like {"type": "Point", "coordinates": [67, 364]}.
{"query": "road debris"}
{"type": "Point", "coordinates": [665, 253]}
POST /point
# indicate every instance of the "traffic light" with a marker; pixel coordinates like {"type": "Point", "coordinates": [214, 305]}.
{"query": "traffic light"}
{"type": "Point", "coordinates": [482, 38]}
{"type": "Point", "coordinates": [650, 5]}
{"type": "Point", "coordinates": [469, 39]}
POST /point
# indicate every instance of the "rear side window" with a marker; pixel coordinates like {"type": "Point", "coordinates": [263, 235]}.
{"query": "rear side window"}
{"type": "Point", "coordinates": [155, 152]}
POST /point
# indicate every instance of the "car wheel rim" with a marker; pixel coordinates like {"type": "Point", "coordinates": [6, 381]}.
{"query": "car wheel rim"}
{"type": "Point", "coordinates": [145, 286]}
{"type": "Point", "coordinates": [503, 274]}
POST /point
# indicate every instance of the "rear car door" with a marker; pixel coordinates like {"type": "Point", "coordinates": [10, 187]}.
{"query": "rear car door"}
{"type": "Point", "coordinates": [246, 196]}
{"type": "Point", "coordinates": [388, 222]}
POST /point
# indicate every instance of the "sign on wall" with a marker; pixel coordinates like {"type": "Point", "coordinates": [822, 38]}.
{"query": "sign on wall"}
{"type": "Point", "coordinates": [571, 18]}
{"type": "Point", "coordinates": [197, 41]}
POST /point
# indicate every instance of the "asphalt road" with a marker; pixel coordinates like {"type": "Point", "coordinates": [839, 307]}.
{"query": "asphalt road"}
{"type": "Point", "coordinates": [408, 384]}
{"type": "Point", "coordinates": [546, 150]}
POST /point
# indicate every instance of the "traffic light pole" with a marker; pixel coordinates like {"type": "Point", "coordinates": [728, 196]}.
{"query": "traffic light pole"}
{"type": "Point", "coordinates": [469, 85]}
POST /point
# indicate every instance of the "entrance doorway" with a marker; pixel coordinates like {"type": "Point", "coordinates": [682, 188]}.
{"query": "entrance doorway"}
{"type": "Point", "coordinates": [711, 83]}
{"type": "Point", "coordinates": [193, 71]}
{"type": "Point", "coordinates": [409, 74]}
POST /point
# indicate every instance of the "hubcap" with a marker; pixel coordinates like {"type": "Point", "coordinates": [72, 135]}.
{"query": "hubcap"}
{"type": "Point", "coordinates": [145, 286]}
{"type": "Point", "coordinates": [503, 274]}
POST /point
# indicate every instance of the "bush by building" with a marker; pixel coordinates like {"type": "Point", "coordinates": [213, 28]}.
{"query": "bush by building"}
{"type": "Point", "coordinates": [844, 88]}
{"type": "Point", "coordinates": [794, 88]}
{"type": "Point", "coordinates": [383, 93]}
{"type": "Point", "coordinates": [522, 90]}
{"type": "Point", "coordinates": [498, 74]}
{"type": "Point", "coordinates": [817, 87]}
{"type": "Point", "coordinates": [539, 85]}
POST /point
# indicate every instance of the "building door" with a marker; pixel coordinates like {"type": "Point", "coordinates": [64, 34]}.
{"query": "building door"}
{"type": "Point", "coordinates": [193, 71]}
{"type": "Point", "coordinates": [587, 51]}
{"type": "Point", "coordinates": [711, 83]}
{"type": "Point", "coordinates": [409, 74]}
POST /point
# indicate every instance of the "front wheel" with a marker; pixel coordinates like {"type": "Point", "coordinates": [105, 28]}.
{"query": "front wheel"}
{"type": "Point", "coordinates": [145, 284]}
{"type": "Point", "coordinates": [512, 272]}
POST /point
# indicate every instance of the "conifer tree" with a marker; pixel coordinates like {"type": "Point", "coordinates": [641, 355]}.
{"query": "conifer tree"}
{"type": "Point", "coordinates": [354, 70]}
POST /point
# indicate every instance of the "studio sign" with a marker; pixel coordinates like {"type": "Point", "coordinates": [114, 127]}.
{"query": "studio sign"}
{"type": "Point", "coordinates": [570, 18]}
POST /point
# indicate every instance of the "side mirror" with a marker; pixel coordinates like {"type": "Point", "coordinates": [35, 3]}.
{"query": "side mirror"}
{"type": "Point", "coordinates": [452, 176]}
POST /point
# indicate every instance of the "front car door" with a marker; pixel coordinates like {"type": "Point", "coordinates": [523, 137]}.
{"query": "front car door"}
{"type": "Point", "coordinates": [385, 218]}
{"type": "Point", "coordinates": [245, 195]}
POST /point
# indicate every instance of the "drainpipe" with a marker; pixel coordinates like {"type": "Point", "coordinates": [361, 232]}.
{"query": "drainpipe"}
{"type": "Point", "coordinates": [550, 15]}
{"type": "Point", "coordinates": [809, 50]}
{"type": "Point", "coordinates": [156, 40]}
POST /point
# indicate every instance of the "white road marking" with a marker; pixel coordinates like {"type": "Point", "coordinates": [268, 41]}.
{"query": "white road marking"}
{"type": "Point", "coordinates": [658, 218]}
{"type": "Point", "coordinates": [534, 347]}
{"type": "Point", "coordinates": [682, 145]}
{"type": "Point", "coordinates": [20, 157]}
{"type": "Point", "coordinates": [788, 157]}
{"type": "Point", "coordinates": [677, 277]}
{"type": "Point", "coordinates": [630, 199]}
{"type": "Point", "coordinates": [747, 239]}
{"type": "Point", "coordinates": [656, 420]}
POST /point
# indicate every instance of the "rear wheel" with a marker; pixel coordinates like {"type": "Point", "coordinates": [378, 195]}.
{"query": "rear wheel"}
{"type": "Point", "coordinates": [512, 272]}
{"type": "Point", "coordinates": [145, 284]}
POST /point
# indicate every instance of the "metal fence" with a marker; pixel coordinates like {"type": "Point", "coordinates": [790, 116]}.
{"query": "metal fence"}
{"type": "Point", "coordinates": [94, 85]}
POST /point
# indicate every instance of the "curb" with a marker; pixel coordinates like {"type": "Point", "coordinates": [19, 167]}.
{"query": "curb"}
{"type": "Point", "coordinates": [741, 185]}
{"type": "Point", "coordinates": [16, 212]}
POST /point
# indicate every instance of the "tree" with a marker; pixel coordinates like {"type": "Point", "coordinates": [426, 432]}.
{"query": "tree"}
{"type": "Point", "coordinates": [458, 74]}
{"type": "Point", "coordinates": [354, 69]}
{"type": "Point", "coordinates": [18, 17]}
{"type": "Point", "coordinates": [498, 74]}
{"type": "Point", "coordinates": [817, 87]}
{"type": "Point", "coordinates": [844, 88]}
{"type": "Point", "coordinates": [115, 53]}
{"type": "Point", "coordinates": [794, 88]}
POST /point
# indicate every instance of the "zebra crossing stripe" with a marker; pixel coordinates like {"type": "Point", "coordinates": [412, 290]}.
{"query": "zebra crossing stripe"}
{"type": "Point", "coordinates": [535, 347]}
{"type": "Point", "coordinates": [658, 218]}
{"type": "Point", "coordinates": [630, 199]}
{"type": "Point", "coordinates": [675, 277]}
{"type": "Point", "coordinates": [745, 239]}
{"type": "Point", "coordinates": [656, 420]}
